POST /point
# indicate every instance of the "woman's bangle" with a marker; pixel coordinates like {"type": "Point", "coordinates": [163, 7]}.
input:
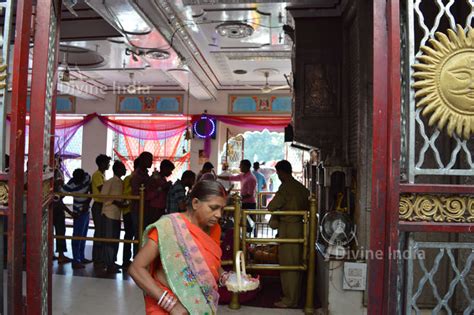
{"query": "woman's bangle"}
{"type": "Point", "coordinates": [162, 297]}
{"type": "Point", "coordinates": [172, 305]}
{"type": "Point", "coordinates": [169, 304]}
{"type": "Point", "coordinates": [166, 303]}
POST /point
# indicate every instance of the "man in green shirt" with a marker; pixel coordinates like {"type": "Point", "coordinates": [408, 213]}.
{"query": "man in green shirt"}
{"type": "Point", "coordinates": [292, 195]}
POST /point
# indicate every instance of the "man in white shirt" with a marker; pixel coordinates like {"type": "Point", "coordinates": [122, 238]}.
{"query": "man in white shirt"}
{"type": "Point", "coordinates": [111, 213]}
{"type": "Point", "coordinates": [225, 172]}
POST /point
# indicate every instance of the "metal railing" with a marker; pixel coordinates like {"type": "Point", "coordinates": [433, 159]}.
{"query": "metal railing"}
{"type": "Point", "coordinates": [141, 207]}
{"type": "Point", "coordinates": [261, 224]}
{"type": "Point", "coordinates": [308, 241]}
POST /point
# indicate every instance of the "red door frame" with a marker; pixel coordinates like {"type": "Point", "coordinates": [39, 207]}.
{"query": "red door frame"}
{"type": "Point", "coordinates": [382, 276]}
{"type": "Point", "coordinates": [16, 180]}
{"type": "Point", "coordinates": [37, 199]}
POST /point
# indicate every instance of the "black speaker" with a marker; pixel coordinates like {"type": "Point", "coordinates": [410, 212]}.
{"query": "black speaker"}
{"type": "Point", "coordinates": [289, 133]}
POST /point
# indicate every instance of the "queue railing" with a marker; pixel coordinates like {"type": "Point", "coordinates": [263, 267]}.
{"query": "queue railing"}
{"type": "Point", "coordinates": [141, 207]}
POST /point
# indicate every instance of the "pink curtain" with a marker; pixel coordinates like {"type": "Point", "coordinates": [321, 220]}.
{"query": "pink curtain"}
{"type": "Point", "coordinates": [168, 128]}
{"type": "Point", "coordinates": [65, 130]}
{"type": "Point", "coordinates": [152, 129]}
{"type": "Point", "coordinates": [169, 148]}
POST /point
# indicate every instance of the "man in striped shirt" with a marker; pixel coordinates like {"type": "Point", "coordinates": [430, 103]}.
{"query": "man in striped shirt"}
{"type": "Point", "coordinates": [79, 183]}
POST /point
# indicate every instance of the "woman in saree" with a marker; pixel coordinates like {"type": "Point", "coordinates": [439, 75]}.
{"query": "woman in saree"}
{"type": "Point", "coordinates": [179, 264]}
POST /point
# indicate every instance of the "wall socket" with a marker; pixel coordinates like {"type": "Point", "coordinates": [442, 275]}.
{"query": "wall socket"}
{"type": "Point", "coordinates": [355, 276]}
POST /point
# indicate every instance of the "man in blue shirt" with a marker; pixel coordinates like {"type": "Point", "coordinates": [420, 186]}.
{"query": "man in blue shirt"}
{"type": "Point", "coordinates": [261, 183]}
{"type": "Point", "coordinates": [79, 183]}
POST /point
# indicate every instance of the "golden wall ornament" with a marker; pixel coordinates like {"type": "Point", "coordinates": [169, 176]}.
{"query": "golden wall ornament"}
{"type": "Point", "coordinates": [3, 194]}
{"type": "Point", "coordinates": [3, 74]}
{"type": "Point", "coordinates": [437, 208]}
{"type": "Point", "coordinates": [445, 81]}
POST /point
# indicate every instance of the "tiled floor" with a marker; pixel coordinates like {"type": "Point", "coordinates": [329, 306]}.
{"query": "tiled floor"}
{"type": "Point", "coordinates": [85, 295]}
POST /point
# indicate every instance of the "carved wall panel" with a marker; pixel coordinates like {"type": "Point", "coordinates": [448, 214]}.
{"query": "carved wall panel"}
{"type": "Point", "coordinates": [321, 90]}
{"type": "Point", "coordinates": [317, 61]}
{"type": "Point", "coordinates": [437, 208]}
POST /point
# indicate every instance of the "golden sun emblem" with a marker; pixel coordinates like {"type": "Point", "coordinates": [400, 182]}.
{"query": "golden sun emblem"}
{"type": "Point", "coordinates": [445, 81]}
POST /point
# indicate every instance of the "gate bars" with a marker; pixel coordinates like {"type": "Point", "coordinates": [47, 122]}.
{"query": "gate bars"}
{"type": "Point", "coordinates": [40, 168]}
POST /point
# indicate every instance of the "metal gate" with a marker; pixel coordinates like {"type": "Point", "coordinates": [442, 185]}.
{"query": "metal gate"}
{"type": "Point", "coordinates": [422, 194]}
{"type": "Point", "coordinates": [39, 174]}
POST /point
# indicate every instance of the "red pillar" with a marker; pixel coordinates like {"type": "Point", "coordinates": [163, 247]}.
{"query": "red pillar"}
{"type": "Point", "coordinates": [39, 200]}
{"type": "Point", "coordinates": [382, 281]}
{"type": "Point", "coordinates": [17, 155]}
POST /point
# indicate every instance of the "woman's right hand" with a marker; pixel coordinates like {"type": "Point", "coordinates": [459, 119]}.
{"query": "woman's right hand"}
{"type": "Point", "coordinates": [178, 309]}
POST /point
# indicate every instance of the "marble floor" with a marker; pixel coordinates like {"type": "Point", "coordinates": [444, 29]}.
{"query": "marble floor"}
{"type": "Point", "coordinates": [74, 295]}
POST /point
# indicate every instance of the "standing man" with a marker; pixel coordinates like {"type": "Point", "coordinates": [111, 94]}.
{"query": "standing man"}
{"type": "Point", "coordinates": [248, 184]}
{"type": "Point", "coordinates": [176, 201]}
{"type": "Point", "coordinates": [127, 218]}
{"type": "Point", "coordinates": [98, 179]}
{"type": "Point", "coordinates": [291, 195]}
{"type": "Point", "coordinates": [261, 183]}
{"type": "Point", "coordinates": [58, 213]}
{"type": "Point", "coordinates": [111, 215]}
{"type": "Point", "coordinates": [140, 177]}
{"type": "Point", "coordinates": [157, 192]}
{"type": "Point", "coordinates": [225, 172]}
{"type": "Point", "coordinates": [79, 183]}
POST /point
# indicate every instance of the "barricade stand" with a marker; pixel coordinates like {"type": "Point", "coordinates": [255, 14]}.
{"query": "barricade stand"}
{"type": "Point", "coordinates": [313, 209]}
{"type": "Point", "coordinates": [309, 219]}
{"type": "Point", "coordinates": [234, 302]}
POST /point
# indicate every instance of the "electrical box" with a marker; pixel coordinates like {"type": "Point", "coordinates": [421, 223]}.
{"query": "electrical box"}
{"type": "Point", "coordinates": [355, 276]}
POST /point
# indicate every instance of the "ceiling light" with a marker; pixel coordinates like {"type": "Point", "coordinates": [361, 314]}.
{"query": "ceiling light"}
{"type": "Point", "coordinates": [266, 89]}
{"type": "Point", "coordinates": [131, 89]}
{"type": "Point", "coordinates": [240, 71]}
{"type": "Point", "coordinates": [234, 30]}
